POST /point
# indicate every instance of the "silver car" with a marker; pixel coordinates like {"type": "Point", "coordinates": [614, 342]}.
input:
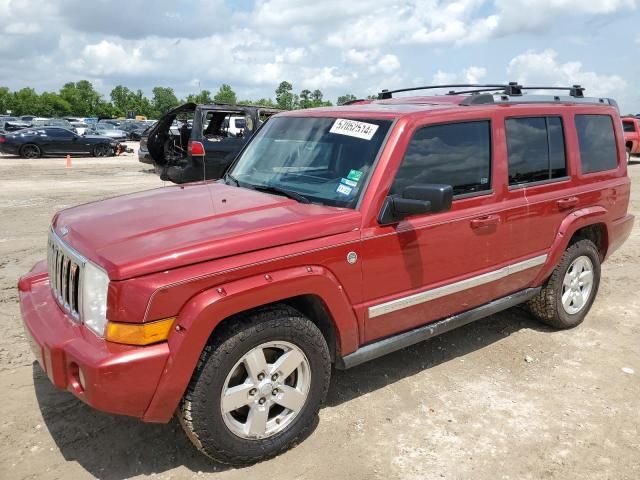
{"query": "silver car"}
{"type": "Point", "coordinates": [106, 130]}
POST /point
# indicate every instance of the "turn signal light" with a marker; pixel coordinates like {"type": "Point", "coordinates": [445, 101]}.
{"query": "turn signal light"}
{"type": "Point", "coordinates": [196, 149]}
{"type": "Point", "coordinates": [139, 333]}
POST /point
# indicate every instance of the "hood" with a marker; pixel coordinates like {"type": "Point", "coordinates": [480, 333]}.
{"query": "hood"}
{"type": "Point", "coordinates": [165, 228]}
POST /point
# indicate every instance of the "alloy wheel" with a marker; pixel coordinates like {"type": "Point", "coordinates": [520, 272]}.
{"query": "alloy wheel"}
{"type": "Point", "coordinates": [577, 285]}
{"type": "Point", "coordinates": [265, 390]}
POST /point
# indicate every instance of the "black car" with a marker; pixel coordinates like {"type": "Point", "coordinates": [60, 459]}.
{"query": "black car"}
{"type": "Point", "coordinates": [201, 149]}
{"type": "Point", "coordinates": [35, 142]}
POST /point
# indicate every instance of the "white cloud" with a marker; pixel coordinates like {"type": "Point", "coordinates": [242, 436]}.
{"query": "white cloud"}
{"type": "Point", "coordinates": [472, 74]}
{"type": "Point", "coordinates": [340, 47]}
{"type": "Point", "coordinates": [543, 68]}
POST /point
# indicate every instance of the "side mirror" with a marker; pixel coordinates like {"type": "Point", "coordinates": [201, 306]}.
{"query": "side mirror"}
{"type": "Point", "coordinates": [416, 200]}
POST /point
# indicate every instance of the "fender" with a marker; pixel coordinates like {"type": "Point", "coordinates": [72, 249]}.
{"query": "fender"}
{"type": "Point", "coordinates": [203, 313]}
{"type": "Point", "coordinates": [571, 223]}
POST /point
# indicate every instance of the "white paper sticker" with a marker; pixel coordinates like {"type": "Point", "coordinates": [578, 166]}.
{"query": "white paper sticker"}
{"type": "Point", "coordinates": [353, 128]}
{"type": "Point", "coordinates": [344, 190]}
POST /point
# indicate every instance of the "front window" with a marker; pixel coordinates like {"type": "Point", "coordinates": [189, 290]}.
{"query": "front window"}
{"type": "Point", "coordinates": [326, 160]}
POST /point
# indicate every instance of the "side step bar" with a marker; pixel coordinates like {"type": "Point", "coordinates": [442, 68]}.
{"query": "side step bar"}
{"type": "Point", "coordinates": [406, 339]}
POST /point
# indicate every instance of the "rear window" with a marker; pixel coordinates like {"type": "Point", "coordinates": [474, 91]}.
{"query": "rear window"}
{"type": "Point", "coordinates": [597, 143]}
{"type": "Point", "coordinates": [456, 154]}
{"type": "Point", "coordinates": [629, 126]}
{"type": "Point", "coordinates": [536, 149]}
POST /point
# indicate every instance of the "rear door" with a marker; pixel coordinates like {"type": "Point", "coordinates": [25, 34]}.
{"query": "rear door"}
{"type": "Point", "coordinates": [539, 194]}
{"type": "Point", "coordinates": [428, 267]}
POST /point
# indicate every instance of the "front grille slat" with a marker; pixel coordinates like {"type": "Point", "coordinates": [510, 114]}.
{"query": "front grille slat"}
{"type": "Point", "coordinates": [65, 268]}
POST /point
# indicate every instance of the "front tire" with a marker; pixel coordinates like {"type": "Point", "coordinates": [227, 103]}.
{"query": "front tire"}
{"type": "Point", "coordinates": [567, 296]}
{"type": "Point", "coordinates": [101, 150]}
{"type": "Point", "coordinates": [628, 155]}
{"type": "Point", "coordinates": [258, 386]}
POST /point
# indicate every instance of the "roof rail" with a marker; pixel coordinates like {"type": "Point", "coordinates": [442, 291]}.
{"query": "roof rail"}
{"type": "Point", "coordinates": [511, 89]}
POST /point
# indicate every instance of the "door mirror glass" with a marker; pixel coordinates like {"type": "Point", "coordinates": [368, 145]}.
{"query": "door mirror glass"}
{"type": "Point", "coordinates": [416, 200]}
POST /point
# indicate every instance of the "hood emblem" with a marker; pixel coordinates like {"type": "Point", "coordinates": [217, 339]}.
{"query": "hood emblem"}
{"type": "Point", "coordinates": [64, 231]}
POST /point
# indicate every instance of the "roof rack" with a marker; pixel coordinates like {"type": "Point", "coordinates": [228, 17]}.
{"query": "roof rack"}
{"type": "Point", "coordinates": [511, 89]}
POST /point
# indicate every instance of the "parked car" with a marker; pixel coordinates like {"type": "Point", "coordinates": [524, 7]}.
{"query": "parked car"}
{"type": "Point", "coordinates": [337, 236]}
{"type": "Point", "coordinates": [234, 126]}
{"type": "Point", "coordinates": [134, 129]}
{"type": "Point", "coordinates": [12, 124]}
{"type": "Point", "coordinates": [106, 130]}
{"type": "Point", "coordinates": [80, 127]}
{"type": "Point", "coordinates": [53, 122]}
{"type": "Point", "coordinates": [185, 153]}
{"type": "Point", "coordinates": [27, 118]}
{"type": "Point", "coordinates": [631, 127]}
{"type": "Point", "coordinates": [39, 141]}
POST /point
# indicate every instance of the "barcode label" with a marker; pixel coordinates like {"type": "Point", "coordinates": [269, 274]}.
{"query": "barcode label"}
{"type": "Point", "coordinates": [353, 128]}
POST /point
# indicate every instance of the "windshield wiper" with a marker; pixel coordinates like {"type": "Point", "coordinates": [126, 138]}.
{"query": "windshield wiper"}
{"type": "Point", "coordinates": [232, 178]}
{"type": "Point", "coordinates": [281, 191]}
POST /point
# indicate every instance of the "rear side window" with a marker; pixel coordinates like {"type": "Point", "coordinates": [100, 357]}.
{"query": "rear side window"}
{"type": "Point", "coordinates": [629, 126]}
{"type": "Point", "coordinates": [456, 154]}
{"type": "Point", "coordinates": [597, 143]}
{"type": "Point", "coordinates": [536, 149]}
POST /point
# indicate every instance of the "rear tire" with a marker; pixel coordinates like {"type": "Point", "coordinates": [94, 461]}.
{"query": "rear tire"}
{"type": "Point", "coordinates": [30, 150]}
{"type": "Point", "coordinates": [258, 386]}
{"type": "Point", "coordinates": [567, 296]}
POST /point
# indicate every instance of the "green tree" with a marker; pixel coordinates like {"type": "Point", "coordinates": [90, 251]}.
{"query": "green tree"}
{"type": "Point", "coordinates": [305, 99]}
{"type": "Point", "coordinates": [6, 100]}
{"type": "Point", "coordinates": [284, 97]}
{"type": "Point", "coordinates": [25, 101]}
{"type": "Point", "coordinates": [164, 99]}
{"type": "Point", "coordinates": [140, 104]}
{"type": "Point", "coordinates": [52, 105]}
{"type": "Point", "coordinates": [82, 97]}
{"type": "Point", "coordinates": [349, 97]}
{"type": "Point", "coordinates": [225, 95]}
{"type": "Point", "coordinates": [121, 98]}
{"type": "Point", "coordinates": [202, 98]}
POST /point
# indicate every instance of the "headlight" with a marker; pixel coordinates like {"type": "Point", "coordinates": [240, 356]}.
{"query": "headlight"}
{"type": "Point", "coordinates": [95, 284]}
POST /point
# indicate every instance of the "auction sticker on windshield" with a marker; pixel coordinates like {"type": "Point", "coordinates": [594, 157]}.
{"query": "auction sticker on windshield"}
{"type": "Point", "coordinates": [353, 128]}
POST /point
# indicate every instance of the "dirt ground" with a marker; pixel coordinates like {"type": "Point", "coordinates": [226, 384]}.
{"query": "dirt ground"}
{"type": "Point", "coordinates": [504, 398]}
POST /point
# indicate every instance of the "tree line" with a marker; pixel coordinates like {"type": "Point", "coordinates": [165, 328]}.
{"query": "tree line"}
{"type": "Point", "coordinates": [80, 99]}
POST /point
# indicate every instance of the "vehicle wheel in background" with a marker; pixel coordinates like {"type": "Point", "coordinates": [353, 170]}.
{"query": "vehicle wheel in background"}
{"type": "Point", "coordinates": [567, 296]}
{"type": "Point", "coordinates": [628, 155]}
{"type": "Point", "coordinates": [258, 386]}
{"type": "Point", "coordinates": [101, 150]}
{"type": "Point", "coordinates": [30, 151]}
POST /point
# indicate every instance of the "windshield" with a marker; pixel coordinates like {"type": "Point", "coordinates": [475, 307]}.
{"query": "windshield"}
{"type": "Point", "coordinates": [327, 160]}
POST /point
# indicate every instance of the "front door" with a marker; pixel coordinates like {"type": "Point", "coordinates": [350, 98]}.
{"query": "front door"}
{"type": "Point", "coordinates": [431, 266]}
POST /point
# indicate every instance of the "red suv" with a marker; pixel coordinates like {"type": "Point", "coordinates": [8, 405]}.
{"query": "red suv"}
{"type": "Point", "coordinates": [631, 128]}
{"type": "Point", "coordinates": [338, 235]}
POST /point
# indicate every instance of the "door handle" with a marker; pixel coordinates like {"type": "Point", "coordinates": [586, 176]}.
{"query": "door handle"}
{"type": "Point", "coordinates": [487, 221]}
{"type": "Point", "coordinates": [567, 203]}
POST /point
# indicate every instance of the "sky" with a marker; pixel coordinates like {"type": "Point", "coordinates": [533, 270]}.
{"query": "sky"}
{"type": "Point", "coordinates": [337, 46]}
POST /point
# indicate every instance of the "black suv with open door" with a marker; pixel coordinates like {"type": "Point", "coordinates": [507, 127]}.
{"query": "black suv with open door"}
{"type": "Point", "coordinates": [194, 142]}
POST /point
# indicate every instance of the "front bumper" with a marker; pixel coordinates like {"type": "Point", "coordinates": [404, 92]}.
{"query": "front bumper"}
{"type": "Point", "coordinates": [109, 377]}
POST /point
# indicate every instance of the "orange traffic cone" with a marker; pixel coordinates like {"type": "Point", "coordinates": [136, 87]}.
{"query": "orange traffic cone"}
{"type": "Point", "coordinates": [68, 161]}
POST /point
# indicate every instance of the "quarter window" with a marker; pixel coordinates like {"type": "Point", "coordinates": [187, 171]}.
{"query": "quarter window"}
{"type": "Point", "coordinates": [456, 154]}
{"type": "Point", "coordinates": [597, 143]}
{"type": "Point", "coordinates": [629, 126]}
{"type": "Point", "coordinates": [536, 149]}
